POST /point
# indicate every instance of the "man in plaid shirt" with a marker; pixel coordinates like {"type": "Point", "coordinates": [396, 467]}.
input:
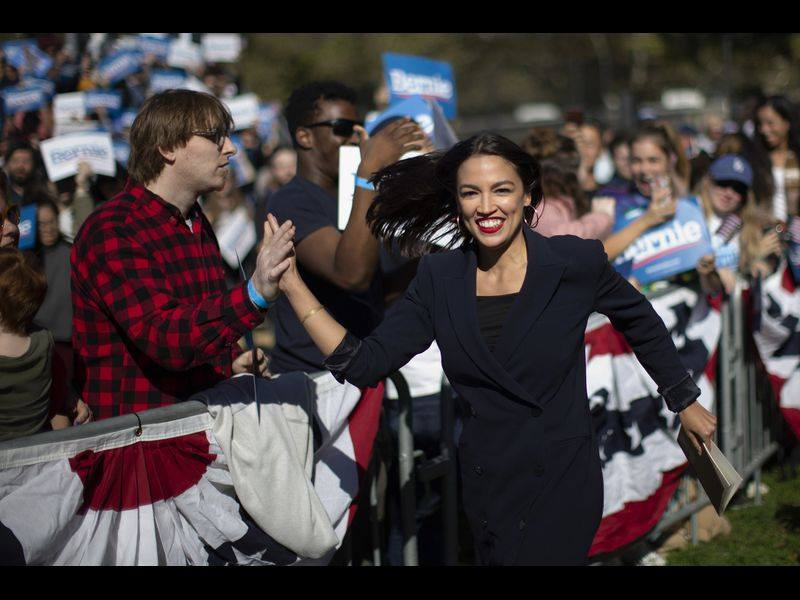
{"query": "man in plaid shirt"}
{"type": "Point", "coordinates": [153, 320]}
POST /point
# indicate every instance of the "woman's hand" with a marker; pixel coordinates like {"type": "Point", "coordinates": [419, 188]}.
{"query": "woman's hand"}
{"type": "Point", "coordinates": [698, 421]}
{"type": "Point", "coordinates": [769, 244]}
{"type": "Point", "coordinates": [706, 265]}
{"type": "Point", "coordinates": [662, 205]}
{"type": "Point", "coordinates": [273, 256]}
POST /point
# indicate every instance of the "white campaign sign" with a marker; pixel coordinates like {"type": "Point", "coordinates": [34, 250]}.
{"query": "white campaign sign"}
{"type": "Point", "coordinates": [62, 154]}
{"type": "Point", "coordinates": [221, 47]}
{"type": "Point", "coordinates": [349, 159]}
{"type": "Point", "coordinates": [185, 55]}
{"type": "Point", "coordinates": [69, 107]}
{"type": "Point", "coordinates": [244, 110]}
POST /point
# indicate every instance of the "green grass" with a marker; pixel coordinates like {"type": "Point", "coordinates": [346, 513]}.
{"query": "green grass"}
{"type": "Point", "coordinates": [768, 534]}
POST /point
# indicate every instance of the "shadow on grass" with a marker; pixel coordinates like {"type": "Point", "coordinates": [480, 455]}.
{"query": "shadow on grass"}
{"type": "Point", "coordinates": [788, 515]}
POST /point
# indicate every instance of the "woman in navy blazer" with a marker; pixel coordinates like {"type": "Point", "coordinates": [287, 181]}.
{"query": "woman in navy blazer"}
{"type": "Point", "coordinates": [531, 472]}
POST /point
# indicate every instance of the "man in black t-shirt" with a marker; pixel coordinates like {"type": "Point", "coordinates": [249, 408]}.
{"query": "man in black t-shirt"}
{"type": "Point", "coordinates": [340, 268]}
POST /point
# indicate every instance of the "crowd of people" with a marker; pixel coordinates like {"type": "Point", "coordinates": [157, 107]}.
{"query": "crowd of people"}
{"type": "Point", "coordinates": [138, 287]}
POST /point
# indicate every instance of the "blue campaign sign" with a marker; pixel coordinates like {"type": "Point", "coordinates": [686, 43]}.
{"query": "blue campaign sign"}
{"type": "Point", "coordinates": [47, 86]}
{"type": "Point", "coordinates": [124, 120]}
{"type": "Point", "coordinates": [119, 65]}
{"type": "Point", "coordinates": [267, 113]}
{"type": "Point", "coordinates": [122, 150]}
{"type": "Point", "coordinates": [26, 56]}
{"type": "Point", "coordinates": [157, 46]}
{"type": "Point", "coordinates": [108, 99]}
{"type": "Point", "coordinates": [426, 113]}
{"type": "Point", "coordinates": [669, 249]}
{"type": "Point", "coordinates": [22, 98]}
{"type": "Point", "coordinates": [27, 227]}
{"type": "Point", "coordinates": [416, 76]}
{"type": "Point", "coordinates": [166, 79]}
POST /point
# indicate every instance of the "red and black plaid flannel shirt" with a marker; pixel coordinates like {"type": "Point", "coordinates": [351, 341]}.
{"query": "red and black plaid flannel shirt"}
{"type": "Point", "coordinates": [153, 320]}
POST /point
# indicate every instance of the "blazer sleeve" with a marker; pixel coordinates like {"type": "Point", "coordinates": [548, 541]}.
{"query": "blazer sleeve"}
{"type": "Point", "coordinates": [406, 330]}
{"type": "Point", "coordinates": [633, 315]}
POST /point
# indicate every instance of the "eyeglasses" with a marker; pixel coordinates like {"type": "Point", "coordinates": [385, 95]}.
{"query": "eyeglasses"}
{"type": "Point", "coordinates": [341, 127]}
{"type": "Point", "coordinates": [217, 136]}
{"type": "Point", "coordinates": [10, 212]}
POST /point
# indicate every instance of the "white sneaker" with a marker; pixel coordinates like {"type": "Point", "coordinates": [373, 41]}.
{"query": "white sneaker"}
{"type": "Point", "coordinates": [653, 559]}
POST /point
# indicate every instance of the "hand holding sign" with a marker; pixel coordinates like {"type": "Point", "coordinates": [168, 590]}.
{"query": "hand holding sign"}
{"type": "Point", "coordinates": [661, 208]}
{"type": "Point", "coordinates": [388, 145]}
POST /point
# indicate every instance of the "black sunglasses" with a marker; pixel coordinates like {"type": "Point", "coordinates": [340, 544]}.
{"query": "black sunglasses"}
{"type": "Point", "coordinates": [217, 136]}
{"type": "Point", "coordinates": [341, 127]}
{"type": "Point", "coordinates": [10, 212]}
{"type": "Point", "coordinates": [737, 186]}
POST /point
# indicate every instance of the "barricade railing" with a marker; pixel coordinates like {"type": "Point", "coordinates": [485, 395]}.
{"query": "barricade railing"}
{"type": "Point", "coordinates": [747, 417]}
{"type": "Point", "coordinates": [442, 466]}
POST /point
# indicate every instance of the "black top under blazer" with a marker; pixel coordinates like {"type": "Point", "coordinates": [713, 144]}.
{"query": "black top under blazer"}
{"type": "Point", "coordinates": [530, 467]}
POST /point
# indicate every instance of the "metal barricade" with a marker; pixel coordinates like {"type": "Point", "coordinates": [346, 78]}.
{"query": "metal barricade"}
{"type": "Point", "coordinates": [746, 416]}
{"type": "Point", "coordinates": [442, 466]}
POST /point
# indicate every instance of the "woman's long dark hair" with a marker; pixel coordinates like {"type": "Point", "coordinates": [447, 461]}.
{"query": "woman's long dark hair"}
{"type": "Point", "coordinates": [761, 156]}
{"type": "Point", "coordinates": [416, 202]}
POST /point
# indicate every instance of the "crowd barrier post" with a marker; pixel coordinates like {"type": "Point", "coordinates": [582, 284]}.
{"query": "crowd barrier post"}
{"type": "Point", "coordinates": [746, 416]}
{"type": "Point", "coordinates": [442, 467]}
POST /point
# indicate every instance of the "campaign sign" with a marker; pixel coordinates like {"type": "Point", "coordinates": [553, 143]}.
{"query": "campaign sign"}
{"type": "Point", "coordinates": [166, 79]}
{"type": "Point", "coordinates": [47, 86]}
{"type": "Point", "coordinates": [62, 154]}
{"type": "Point", "coordinates": [241, 166]}
{"type": "Point", "coordinates": [122, 150]}
{"type": "Point", "coordinates": [108, 99]}
{"type": "Point", "coordinates": [21, 98]}
{"type": "Point", "coordinates": [244, 110]}
{"type": "Point", "coordinates": [125, 120]}
{"type": "Point", "coordinates": [119, 65]}
{"type": "Point", "coordinates": [26, 56]}
{"type": "Point", "coordinates": [427, 114]}
{"type": "Point", "coordinates": [671, 248]}
{"type": "Point", "coordinates": [267, 113]}
{"type": "Point", "coordinates": [185, 54]}
{"type": "Point", "coordinates": [27, 227]}
{"type": "Point", "coordinates": [416, 76]}
{"type": "Point", "coordinates": [156, 45]}
{"type": "Point", "coordinates": [221, 47]}
{"type": "Point", "coordinates": [69, 107]}
{"type": "Point", "coordinates": [349, 159]}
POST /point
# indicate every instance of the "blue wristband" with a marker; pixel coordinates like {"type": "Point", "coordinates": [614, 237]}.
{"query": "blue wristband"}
{"type": "Point", "coordinates": [257, 298]}
{"type": "Point", "coordinates": [363, 183]}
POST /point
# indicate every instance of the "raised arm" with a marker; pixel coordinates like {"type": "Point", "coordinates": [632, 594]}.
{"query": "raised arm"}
{"type": "Point", "coordinates": [123, 280]}
{"type": "Point", "coordinates": [348, 259]}
{"type": "Point", "coordinates": [406, 330]}
{"type": "Point", "coordinates": [633, 315]}
{"type": "Point", "coordinates": [661, 209]}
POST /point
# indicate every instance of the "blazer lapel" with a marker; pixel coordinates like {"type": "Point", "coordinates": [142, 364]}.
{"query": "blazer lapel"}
{"type": "Point", "coordinates": [462, 306]}
{"type": "Point", "coordinates": [541, 281]}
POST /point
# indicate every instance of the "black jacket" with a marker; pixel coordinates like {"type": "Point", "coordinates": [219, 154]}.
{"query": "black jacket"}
{"type": "Point", "coordinates": [531, 474]}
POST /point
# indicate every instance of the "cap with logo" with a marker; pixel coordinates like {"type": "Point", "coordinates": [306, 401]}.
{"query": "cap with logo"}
{"type": "Point", "coordinates": [732, 167]}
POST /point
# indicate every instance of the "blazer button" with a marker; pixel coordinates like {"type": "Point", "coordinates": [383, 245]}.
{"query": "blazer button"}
{"type": "Point", "coordinates": [472, 412]}
{"type": "Point", "coordinates": [478, 470]}
{"type": "Point", "coordinates": [522, 524]}
{"type": "Point", "coordinates": [484, 523]}
{"type": "Point", "coordinates": [538, 470]}
{"type": "Point", "coordinates": [536, 412]}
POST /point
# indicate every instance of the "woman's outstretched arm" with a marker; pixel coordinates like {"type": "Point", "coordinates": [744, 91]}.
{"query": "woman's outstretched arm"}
{"type": "Point", "coordinates": [406, 330]}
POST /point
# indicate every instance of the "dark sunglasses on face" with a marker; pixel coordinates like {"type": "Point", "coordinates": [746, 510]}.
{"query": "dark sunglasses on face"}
{"type": "Point", "coordinates": [341, 127]}
{"type": "Point", "coordinates": [217, 136]}
{"type": "Point", "coordinates": [736, 186]}
{"type": "Point", "coordinates": [11, 213]}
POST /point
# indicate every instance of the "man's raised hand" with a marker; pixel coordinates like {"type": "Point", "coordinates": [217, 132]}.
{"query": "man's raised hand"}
{"type": "Point", "coordinates": [273, 257]}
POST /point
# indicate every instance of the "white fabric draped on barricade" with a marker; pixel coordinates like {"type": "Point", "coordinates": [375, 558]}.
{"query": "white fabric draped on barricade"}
{"type": "Point", "coordinates": [777, 338]}
{"type": "Point", "coordinates": [227, 483]}
{"type": "Point", "coordinates": [636, 433]}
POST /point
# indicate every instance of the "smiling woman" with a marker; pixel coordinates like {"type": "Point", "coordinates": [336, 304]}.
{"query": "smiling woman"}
{"type": "Point", "coordinates": [508, 309]}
